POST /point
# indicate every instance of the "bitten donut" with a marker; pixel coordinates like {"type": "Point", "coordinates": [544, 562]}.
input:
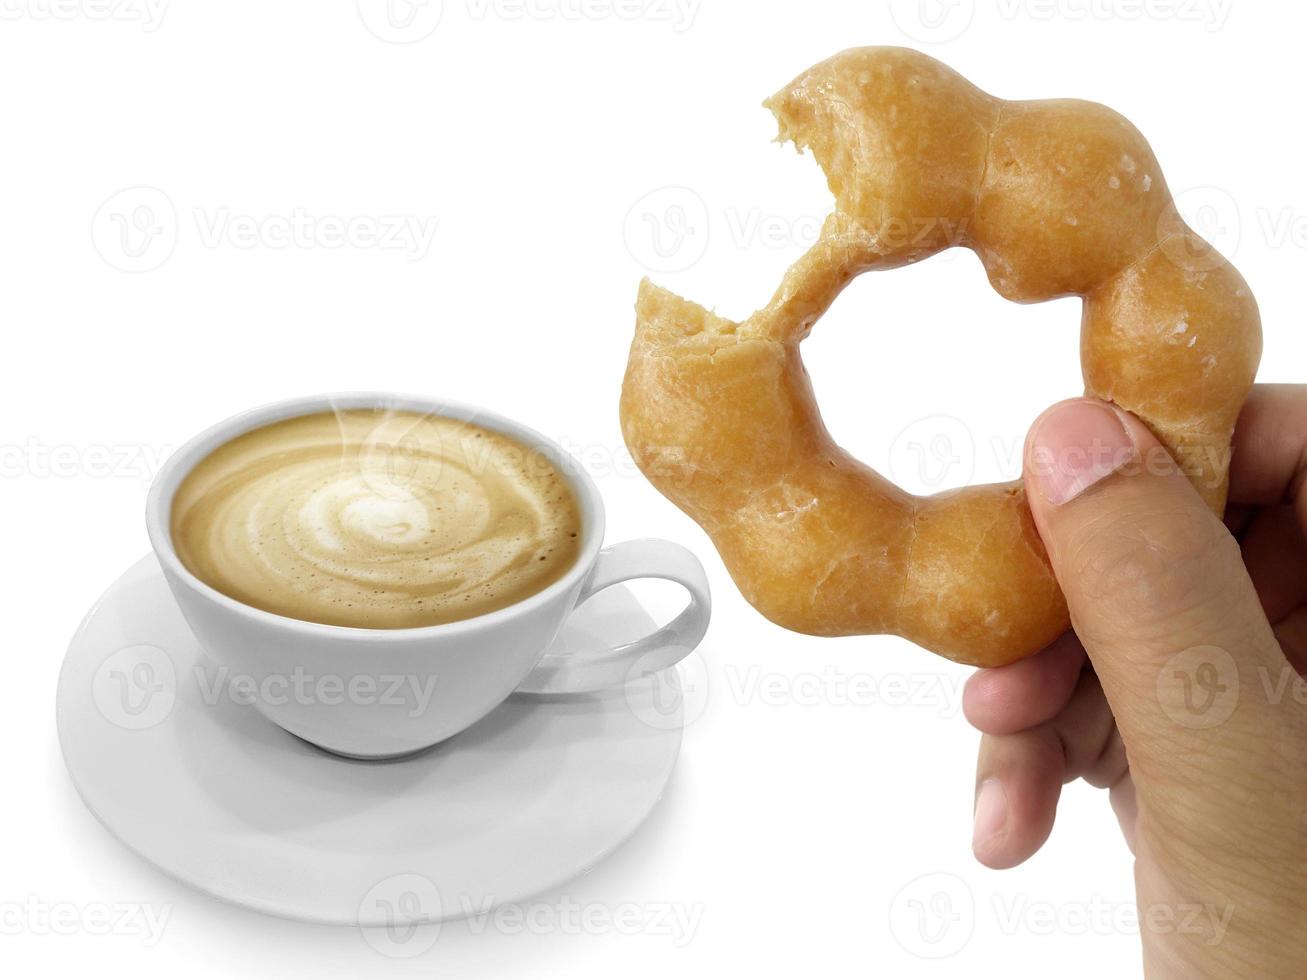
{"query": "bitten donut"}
{"type": "Point", "coordinates": [1057, 198]}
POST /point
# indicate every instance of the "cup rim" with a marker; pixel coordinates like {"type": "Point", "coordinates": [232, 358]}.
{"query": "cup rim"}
{"type": "Point", "coordinates": [158, 507]}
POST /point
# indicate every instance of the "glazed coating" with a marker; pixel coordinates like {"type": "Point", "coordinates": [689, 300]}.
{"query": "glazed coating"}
{"type": "Point", "coordinates": [1057, 198]}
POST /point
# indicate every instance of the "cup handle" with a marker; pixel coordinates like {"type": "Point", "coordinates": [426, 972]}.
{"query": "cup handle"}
{"type": "Point", "coordinates": [568, 673]}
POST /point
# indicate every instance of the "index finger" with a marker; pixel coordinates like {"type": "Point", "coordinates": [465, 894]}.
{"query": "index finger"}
{"type": "Point", "coordinates": [1269, 462]}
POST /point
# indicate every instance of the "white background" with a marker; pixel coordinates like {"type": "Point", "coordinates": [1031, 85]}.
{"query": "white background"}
{"type": "Point", "coordinates": [531, 135]}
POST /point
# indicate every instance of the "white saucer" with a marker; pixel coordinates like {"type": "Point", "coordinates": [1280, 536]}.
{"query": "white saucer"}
{"type": "Point", "coordinates": [214, 794]}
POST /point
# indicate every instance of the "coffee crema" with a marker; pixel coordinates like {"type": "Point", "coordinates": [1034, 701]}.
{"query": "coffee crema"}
{"type": "Point", "coordinates": [376, 518]}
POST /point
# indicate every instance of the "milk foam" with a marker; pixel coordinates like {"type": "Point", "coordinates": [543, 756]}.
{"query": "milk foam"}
{"type": "Point", "coordinates": [374, 518]}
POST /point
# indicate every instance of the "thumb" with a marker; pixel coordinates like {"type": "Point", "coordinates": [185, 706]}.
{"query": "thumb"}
{"type": "Point", "coordinates": [1205, 701]}
{"type": "Point", "coordinates": [1157, 590]}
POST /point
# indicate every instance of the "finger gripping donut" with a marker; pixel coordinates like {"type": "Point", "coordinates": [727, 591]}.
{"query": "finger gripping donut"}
{"type": "Point", "coordinates": [1057, 198]}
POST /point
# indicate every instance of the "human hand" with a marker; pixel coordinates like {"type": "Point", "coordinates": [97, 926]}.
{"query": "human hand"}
{"type": "Point", "coordinates": [1179, 689]}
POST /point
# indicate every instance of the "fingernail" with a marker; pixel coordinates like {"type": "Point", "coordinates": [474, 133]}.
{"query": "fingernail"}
{"type": "Point", "coordinates": [1075, 445]}
{"type": "Point", "coordinates": [991, 813]}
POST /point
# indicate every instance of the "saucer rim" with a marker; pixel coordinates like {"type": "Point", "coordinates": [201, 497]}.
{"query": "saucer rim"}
{"type": "Point", "coordinates": [285, 911]}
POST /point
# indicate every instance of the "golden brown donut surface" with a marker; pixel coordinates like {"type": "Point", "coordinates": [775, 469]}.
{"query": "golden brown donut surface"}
{"type": "Point", "coordinates": [1057, 198]}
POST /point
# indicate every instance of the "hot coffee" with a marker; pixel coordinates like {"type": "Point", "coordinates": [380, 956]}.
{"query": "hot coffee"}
{"type": "Point", "coordinates": [376, 518]}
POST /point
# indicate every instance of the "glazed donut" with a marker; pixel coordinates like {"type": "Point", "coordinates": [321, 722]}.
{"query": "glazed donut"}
{"type": "Point", "coordinates": [1057, 198]}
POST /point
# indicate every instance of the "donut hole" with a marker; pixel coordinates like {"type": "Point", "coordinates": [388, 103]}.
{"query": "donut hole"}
{"type": "Point", "coordinates": [931, 378]}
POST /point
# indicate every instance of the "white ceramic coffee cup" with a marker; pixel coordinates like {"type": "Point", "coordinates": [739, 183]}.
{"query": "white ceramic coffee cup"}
{"type": "Point", "coordinates": [379, 693]}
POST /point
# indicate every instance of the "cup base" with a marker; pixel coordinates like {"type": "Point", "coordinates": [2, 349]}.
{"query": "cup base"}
{"type": "Point", "coordinates": [354, 757]}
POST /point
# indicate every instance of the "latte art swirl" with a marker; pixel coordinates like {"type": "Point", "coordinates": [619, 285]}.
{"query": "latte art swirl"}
{"type": "Point", "coordinates": [376, 518]}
